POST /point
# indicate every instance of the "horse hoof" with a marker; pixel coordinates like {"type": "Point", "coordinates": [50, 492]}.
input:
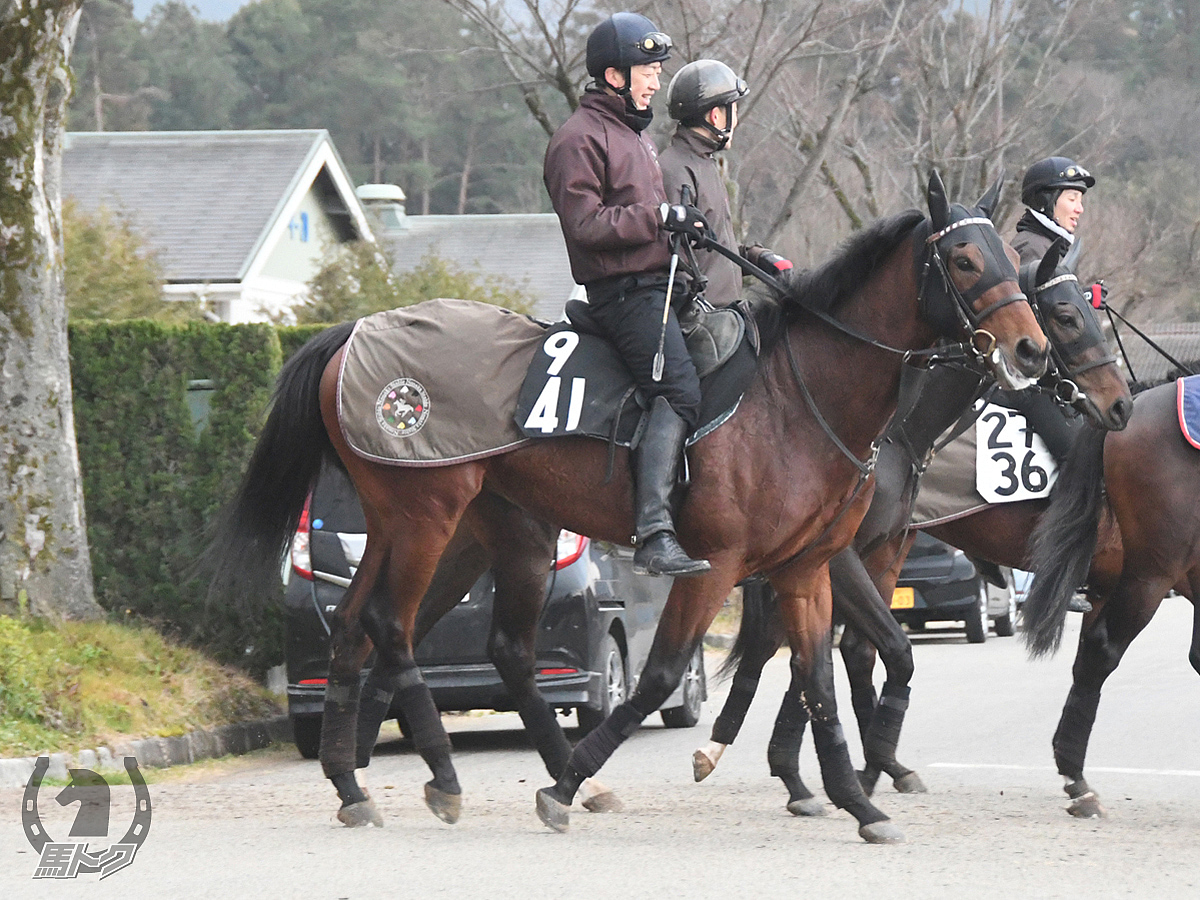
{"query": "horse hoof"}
{"type": "Point", "coordinates": [447, 807]}
{"type": "Point", "coordinates": [604, 802]}
{"type": "Point", "coordinates": [910, 784]}
{"type": "Point", "coordinates": [553, 814]}
{"type": "Point", "coordinates": [702, 766]}
{"type": "Point", "coordinates": [1087, 806]}
{"type": "Point", "coordinates": [360, 815]}
{"type": "Point", "coordinates": [881, 833]}
{"type": "Point", "coordinates": [809, 806]}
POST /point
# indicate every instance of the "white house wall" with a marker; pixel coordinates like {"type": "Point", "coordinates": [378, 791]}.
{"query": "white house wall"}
{"type": "Point", "coordinates": [308, 233]}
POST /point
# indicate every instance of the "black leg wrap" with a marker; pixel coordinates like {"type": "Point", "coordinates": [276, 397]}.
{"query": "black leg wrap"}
{"type": "Point", "coordinates": [863, 701]}
{"type": "Point", "coordinates": [783, 750]}
{"type": "Point", "coordinates": [837, 773]}
{"type": "Point", "coordinates": [546, 734]}
{"type": "Point", "coordinates": [338, 727]}
{"type": "Point", "coordinates": [426, 731]}
{"type": "Point", "coordinates": [373, 708]}
{"type": "Point", "coordinates": [879, 746]}
{"type": "Point", "coordinates": [347, 788]}
{"type": "Point", "coordinates": [729, 722]}
{"type": "Point", "coordinates": [1074, 729]}
{"type": "Point", "coordinates": [594, 750]}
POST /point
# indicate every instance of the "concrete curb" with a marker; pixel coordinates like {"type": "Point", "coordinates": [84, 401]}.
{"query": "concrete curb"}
{"type": "Point", "coordinates": [156, 753]}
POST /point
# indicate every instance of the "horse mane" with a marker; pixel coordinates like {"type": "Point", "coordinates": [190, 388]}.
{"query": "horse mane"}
{"type": "Point", "coordinates": [829, 285]}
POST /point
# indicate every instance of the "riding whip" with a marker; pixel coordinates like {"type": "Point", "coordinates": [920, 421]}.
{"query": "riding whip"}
{"type": "Point", "coordinates": [660, 357]}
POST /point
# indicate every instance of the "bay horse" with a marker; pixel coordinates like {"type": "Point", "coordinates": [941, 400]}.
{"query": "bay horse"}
{"type": "Point", "coordinates": [779, 487]}
{"type": "Point", "coordinates": [866, 572]}
{"type": "Point", "coordinates": [1125, 517]}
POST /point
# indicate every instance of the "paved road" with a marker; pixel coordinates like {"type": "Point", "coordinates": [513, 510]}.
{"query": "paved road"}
{"type": "Point", "coordinates": [979, 729]}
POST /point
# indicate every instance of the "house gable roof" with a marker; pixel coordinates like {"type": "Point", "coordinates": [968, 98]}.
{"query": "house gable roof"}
{"type": "Point", "coordinates": [209, 203]}
{"type": "Point", "coordinates": [526, 249]}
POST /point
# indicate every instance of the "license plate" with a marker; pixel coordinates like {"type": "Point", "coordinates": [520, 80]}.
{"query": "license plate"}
{"type": "Point", "coordinates": [902, 598]}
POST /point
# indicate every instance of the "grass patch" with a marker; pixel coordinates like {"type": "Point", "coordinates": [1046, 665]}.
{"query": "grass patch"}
{"type": "Point", "coordinates": [71, 685]}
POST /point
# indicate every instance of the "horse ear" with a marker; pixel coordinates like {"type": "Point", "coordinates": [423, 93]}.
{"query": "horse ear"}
{"type": "Point", "coordinates": [1049, 262]}
{"type": "Point", "coordinates": [939, 206]}
{"type": "Point", "coordinates": [987, 203]}
{"type": "Point", "coordinates": [1072, 257]}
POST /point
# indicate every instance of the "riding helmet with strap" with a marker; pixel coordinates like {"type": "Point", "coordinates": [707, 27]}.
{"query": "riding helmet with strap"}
{"type": "Point", "coordinates": [703, 85]}
{"type": "Point", "coordinates": [1049, 177]}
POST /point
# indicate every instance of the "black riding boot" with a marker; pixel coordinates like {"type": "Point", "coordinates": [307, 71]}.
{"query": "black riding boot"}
{"type": "Point", "coordinates": [658, 552]}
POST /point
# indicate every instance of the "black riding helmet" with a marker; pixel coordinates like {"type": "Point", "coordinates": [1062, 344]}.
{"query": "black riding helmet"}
{"type": "Point", "coordinates": [703, 85]}
{"type": "Point", "coordinates": [1047, 178]}
{"type": "Point", "coordinates": [623, 40]}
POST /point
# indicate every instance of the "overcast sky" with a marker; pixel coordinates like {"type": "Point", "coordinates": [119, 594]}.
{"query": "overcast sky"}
{"type": "Point", "coordinates": [213, 10]}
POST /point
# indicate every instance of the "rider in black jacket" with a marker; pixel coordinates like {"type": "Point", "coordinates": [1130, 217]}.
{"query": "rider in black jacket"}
{"type": "Point", "coordinates": [1052, 191]}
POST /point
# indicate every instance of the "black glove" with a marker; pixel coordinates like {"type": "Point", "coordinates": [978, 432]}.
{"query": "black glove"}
{"type": "Point", "coordinates": [686, 220]}
{"type": "Point", "coordinates": [767, 260]}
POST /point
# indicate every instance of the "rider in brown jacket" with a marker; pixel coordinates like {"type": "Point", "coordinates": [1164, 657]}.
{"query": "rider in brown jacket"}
{"type": "Point", "coordinates": [602, 174]}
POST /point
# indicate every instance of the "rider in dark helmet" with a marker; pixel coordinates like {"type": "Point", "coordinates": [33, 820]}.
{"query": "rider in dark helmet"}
{"type": "Point", "coordinates": [1052, 190]}
{"type": "Point", "coordinates": [702, 98]}
{"type": "Point", "coordinates": [604, 182]}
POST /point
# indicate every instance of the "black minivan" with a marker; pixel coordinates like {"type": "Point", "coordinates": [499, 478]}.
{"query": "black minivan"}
{"type": "Point", "coordinates": [593, 637]}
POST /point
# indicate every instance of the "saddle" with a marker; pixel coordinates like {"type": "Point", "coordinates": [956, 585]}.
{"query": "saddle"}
{"type": "Point", "coordinates": [577, 383]}
{"type": "Point", "coordinates": [712, 333]}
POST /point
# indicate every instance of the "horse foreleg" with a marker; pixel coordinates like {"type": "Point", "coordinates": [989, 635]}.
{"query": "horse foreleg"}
{"type": "Point", "coordinates": [806, 610]}
{"type": "Point", "coordinates": [783, 752]}
{"type": "Point", "coordinates": [871, 627]}
{"type": "Point", "coordinates": [1107, 633]}
{"type": "Point", "coordinates": [761, 647]}
{"type": "Point", "coordinates": [691, 607]}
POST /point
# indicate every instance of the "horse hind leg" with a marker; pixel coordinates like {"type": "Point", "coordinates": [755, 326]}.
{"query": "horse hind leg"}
{"type": "Point", "coordinates": [1107, 634]}
{"type": "Point", "coordinates": [524, 551]}
{"type": "Point", "coordinates": [871, 628]}
{"type": "Point", "coordinates": [459, 568]}
{"type": "Point", "coordinates": [339, 731]}
{"type": "Point", "coordinates": [762, 642]}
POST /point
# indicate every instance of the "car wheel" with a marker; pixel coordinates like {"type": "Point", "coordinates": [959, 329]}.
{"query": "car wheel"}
{"type": "Point", "coordinates": [615, 686]}
{"type": "Point", "coordinates": [688, 714]}
{"type": "Point", "coordinates": [977, 617]}
{"type": "Point", "coordinates": [306, 732]}
{"type": "Point", "coordinates": [1006, 625]}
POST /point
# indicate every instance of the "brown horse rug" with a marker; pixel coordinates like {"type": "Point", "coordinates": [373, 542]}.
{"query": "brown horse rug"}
{"type": "Point", "coordinates": [448, 381]}
{"type": "Point", "coordinates": [998, 460]}
{"type": "Point", "coordinates": [436, 383]}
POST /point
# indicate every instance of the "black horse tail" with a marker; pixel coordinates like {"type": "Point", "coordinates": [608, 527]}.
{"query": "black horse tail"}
{"type": "Point", "coordinates": [760, 606]}
{"type": "Point", "coordinates": [1064, 542]}
{"type": "Point", "coordinates": [254, 528]}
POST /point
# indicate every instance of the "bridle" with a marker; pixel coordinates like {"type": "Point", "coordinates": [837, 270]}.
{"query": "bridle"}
{"type": "Point", "coordinates": [1066, 388]}
{"type": "Point", "coordinates": [963, 303]}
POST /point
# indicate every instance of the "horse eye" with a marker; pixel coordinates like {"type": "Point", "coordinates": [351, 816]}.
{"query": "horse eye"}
{"type": "Point", "coordinates": [1064, 319]}
{"type": "Point", "coordinates": [964, 263]}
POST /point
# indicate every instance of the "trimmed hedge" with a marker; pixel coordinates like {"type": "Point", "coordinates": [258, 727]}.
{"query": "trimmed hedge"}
{"type": "Point", "coordinates": [155, 475]}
